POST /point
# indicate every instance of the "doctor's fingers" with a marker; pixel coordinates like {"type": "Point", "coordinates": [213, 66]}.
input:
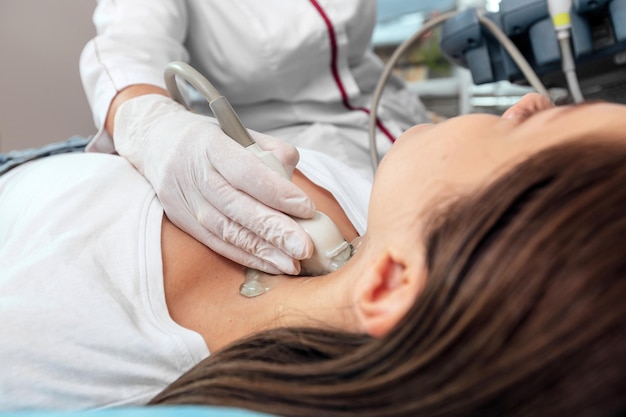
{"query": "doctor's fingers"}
{"type": "Point", "coordinates": [267, 259]}
{"type": "Point", "coordinates": [242, 214]}
{"type": "Point", "coordinates": [246, 172]}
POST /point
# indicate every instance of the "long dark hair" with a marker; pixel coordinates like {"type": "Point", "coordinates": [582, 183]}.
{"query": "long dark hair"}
{"type": "Point", "coordinates": [524, 313]}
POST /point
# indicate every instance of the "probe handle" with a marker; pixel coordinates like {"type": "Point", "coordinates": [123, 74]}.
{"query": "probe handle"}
{"type": "Point", "coordinates": [268, 159]}
{"type": "Point", "coordinates": [229, 121]}
{"type": "Point", "coordinates": [331, 249]}
{"type": "Point", "coordinates": [232, 126]}
{"type": "Point", "coordinates": [221, 108]}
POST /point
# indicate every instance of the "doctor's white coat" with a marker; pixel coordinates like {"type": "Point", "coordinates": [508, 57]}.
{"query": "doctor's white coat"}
{"type": "Point", "coordinates": [301, 70]}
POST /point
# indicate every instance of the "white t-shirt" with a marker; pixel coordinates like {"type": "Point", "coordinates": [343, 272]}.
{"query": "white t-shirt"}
{"type": "Point", "coordinates": [83, 318]}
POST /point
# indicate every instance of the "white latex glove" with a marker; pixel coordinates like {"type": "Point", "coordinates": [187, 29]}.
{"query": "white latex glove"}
{"type": "Point", "coordinates": [213, 188]}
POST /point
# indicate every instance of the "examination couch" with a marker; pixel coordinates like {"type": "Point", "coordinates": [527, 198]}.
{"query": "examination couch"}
{"type": "Point", "coordinates": [152, 411]}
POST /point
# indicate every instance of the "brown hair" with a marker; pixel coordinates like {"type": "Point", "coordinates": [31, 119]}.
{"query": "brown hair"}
{"type": "Point", "coordinates": [524, 313]}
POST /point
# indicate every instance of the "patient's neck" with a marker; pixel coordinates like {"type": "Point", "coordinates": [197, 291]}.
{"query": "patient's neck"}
{"type": "Point", "coordinates": [203, 295]}
{"type": "Point", "coordinates": [202, 289]}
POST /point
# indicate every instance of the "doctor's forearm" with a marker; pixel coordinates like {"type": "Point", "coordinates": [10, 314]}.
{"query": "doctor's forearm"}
{"type": "Point", "coordinates": [126, 94]}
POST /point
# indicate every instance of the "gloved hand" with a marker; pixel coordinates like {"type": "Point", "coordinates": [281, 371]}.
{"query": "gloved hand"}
{"type": "Point", "coordinates": [213, 188]}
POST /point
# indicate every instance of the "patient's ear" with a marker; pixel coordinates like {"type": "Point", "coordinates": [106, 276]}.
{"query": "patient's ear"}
{"type": "Point", "coordinates": [386, 292]}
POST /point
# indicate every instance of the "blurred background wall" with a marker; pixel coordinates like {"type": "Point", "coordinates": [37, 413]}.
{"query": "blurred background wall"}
{"type": "Point", "coordinates": [41, 96]}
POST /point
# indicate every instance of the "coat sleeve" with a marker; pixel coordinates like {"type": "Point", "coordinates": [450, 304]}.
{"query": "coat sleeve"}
{"type": "Point", "coordinates": [135, 40]}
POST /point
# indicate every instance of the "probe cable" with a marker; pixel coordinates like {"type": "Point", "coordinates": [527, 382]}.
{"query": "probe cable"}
{"type": "Point", "coordinates": [500, 36]}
